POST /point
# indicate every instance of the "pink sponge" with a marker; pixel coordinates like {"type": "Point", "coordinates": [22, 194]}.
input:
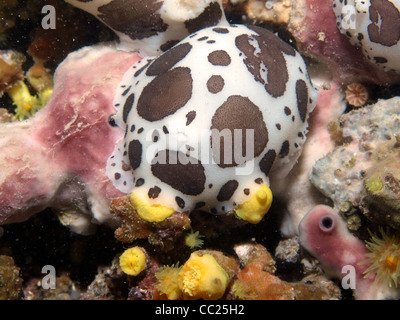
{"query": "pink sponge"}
{"type": "Point", "coordinates": [325, 235]}
{"type": "Point", "coordinates": [57, 158]}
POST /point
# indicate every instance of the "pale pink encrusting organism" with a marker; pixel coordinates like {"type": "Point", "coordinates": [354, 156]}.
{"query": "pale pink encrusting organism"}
{"type": "Point", "coordinates": [299, 193]}
{"type": "Point", "coordinates": [325, 235]}
{"type": "Point", "coordinates": [57, 158]}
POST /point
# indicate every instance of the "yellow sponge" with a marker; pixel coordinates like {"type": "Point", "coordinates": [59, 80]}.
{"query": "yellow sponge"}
{"type": "Point", "coordinates": [201, 277]}
{"type": "Point", "coordinates": [132, 261]}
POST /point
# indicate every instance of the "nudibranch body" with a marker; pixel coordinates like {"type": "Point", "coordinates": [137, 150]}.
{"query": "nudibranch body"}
{"type": "Point", "coordinates": [151, 26]}
{"type": "Point", "coordinates": [207, 121]}
{"type": "Point", "coordinates": [374, 25]}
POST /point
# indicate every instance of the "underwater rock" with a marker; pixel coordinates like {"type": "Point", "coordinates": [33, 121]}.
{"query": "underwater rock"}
{"type": "Point", "coordinates": [65, 289]}
{"type": "Point", "coordinates": [380, 197]}
{"type": "Point", "coordinates": [10, 280]}
{"type": "Point", "coordinates": [274, 11]}
{"type": "Point", "coordinates": [10, 69]}
{"type": "Point", "coordinates": [163, 235]}
{"type": "Point", "coordinates": [109, 283]}
{"type": "Point", "coordinates": [362, 170]}
{"type": "Point", "coordinates": [256, 280]}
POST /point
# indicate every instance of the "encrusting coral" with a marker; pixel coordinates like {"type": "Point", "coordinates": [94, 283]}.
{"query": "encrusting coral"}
{"type": "Point", "coordinates": [356, 94]}
{"type": "Point", "coordinates": [168, 282]}
{"type": "Point", "coordinates": [383, 258]}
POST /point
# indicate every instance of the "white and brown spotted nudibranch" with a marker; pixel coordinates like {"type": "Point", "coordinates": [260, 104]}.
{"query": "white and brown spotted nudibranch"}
{"type": "Point", "coordinates": [207, 121]}
{"type": "Point", "coordinates": [374, 25]}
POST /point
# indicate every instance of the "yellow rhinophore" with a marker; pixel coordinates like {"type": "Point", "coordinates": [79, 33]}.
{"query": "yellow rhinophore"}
{"type": "Point", "coordinates": [132, 261]}
{"type": "Point", "coordinates": [254, 209]}
{"type": "Point", "coordinates": [150, 213]}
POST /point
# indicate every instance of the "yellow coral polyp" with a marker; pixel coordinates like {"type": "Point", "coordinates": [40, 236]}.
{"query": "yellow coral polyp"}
{"type": "Point", "coordinates": [193, 240]}
{"type": "Point", "coordinates": [383, 258]}
{"type": "Point", "coordinates": [254, 209]}
{"type": "Point", "coordinates": [21, 96]}
{"type": "Point", "coordinates": [167, 282]}
{"type": "Point", "coordinates": [149, 213]}
{"type": "Point", "coordinates": [201, 277]}
{"type": "Point", "coordinates": [373, 184]}
{"type": "Point", "coordinates": [133, 261]}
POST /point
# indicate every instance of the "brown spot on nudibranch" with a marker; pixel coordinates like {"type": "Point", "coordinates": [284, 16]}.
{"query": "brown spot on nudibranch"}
{"type": "Point", "coordinates": [190, 117]}
{"type": "Point", "coordinates": [139, 71]}
{"type": "Point", "coordinates": [209, 17]}
{"type": "Point", "coordinates": [128, 106]}
{"type": "Point", "coordinates": [167, 60]}
{"type": "Point", "coordinates": [215, 84]}
{"type": "Point", "coordinates": [125, 166]}
{"type": "Point", "coordinates": [270, 53]}
{"type": "Point", "coordinates": [385, 28]}
{"type": "Point", "coordinates": [266, 162]}
{"type": "Point", "coordinates": [284, 149]}
{"type": "Point", "coordinates": [180, 171]}
{"type": "Point", "coordinates": [135, 154]}
{"type": "Point", "coordinates": [227, 190]}
{"type": "Point", "coordinates": [168, 45]}
{"type": "Point", "coordinates": [180, 202]}
{"type": "Point", "coordinates": [165, 94]}
{"type": "Point", "coordinates": [154, 192]}
{"type": "Point", "coordinates": [155, 136]}
{"type": "Point", "coordinates": [302, 98]}
{"type": "Point", "coordinates": [136, 21]}
{"type": "Point", "coordinates": [219, 58]}
{"type": "Point", "coordinates": [240, 113]}
{"type": "Point", "coordinates": [380, 60]}
{"type": "Point", "coordinates": [220, 30]}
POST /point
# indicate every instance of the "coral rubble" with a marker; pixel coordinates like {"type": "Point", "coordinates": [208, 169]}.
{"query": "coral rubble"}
{"type": "Point", "coordinates": [362, 169]}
